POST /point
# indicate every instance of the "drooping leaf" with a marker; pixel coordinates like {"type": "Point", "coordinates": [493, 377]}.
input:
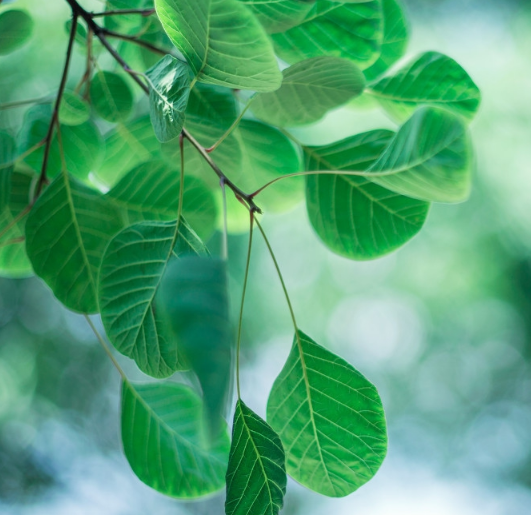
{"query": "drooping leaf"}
{"type": "Point", "coordinates": [429, 158]}
{"type": "Point", "coordinates": [66, 234]}
{"type": "Point", "coordinates": [279, 15]}
{"type": "Point", "coordinates": [111, 96]}
{"type": "Point", "coordinates": [431, 79]}
{"type": "Point", "coordinates": [222, 41]}
{"type": "Point", "coordinates": [14, 262]}
{"type": "Point", "coordinates": [169, 90]}
{"type": "Point", "coordinates": [131, 272]}
{"type": "Point", "coordinates": [150, 191]}
{"type": "Point", "coordinates": [126, 146]}
{"type": "Point", "coordinates": [16, 28]}
{"type": "Point", "coordinates": [395, 39]}
{"type": "Point", "coordinates": [261, 165]}
{"type": "Point", "coordinates": [166, 442]}
{"type": "Point", "coordinates": [330, 419]}
{"type": "Point", "coordinates": [194, 295]}
{"type": "Point", "coordinates": [309, 89]}
{"type": "Point", "coordinates": [355, 217]}
{"type": "Point", "coordinates": [256, 476]}
{"type": "Point", "coordinates": [74, 110]}
{"type": "Point", "coordinates": [7, 155]}
{"type": "Point", "coordinates": [82, 144]}
{"type": "Point", "coordinates": [353, 31]}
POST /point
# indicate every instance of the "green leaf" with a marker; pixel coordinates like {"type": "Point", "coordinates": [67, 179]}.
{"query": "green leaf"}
{"type": "Point", "coordinates": [395, 39]}
{"type": "Point", "coordinates": [194, 297]}
{"type": "Point", "coordinates": [7, 155]}
{"type": "Point", "coordinates": [132, 269]}
{"type": "Point", "coordinates": [256, 476]}
{"type": "Point", "coordinates": [66, 234]}
{"type": "Point", "coordinates": [329, 418]}
{"type": "Point", "coordinates": [166, 443]}
{"type": "Point", "coordinates": [352, 31]}
{"type": "Point", "coordinates": [261, 165]}
{"type": "Point", "coordinates": [309, 89]}
{"type": "Point", "coordinates": [111, 96]}
{"type": "Point", "coordinates": [279, 15]}
{"type": "Point", "coordinates": [430, 158]}
{"type": "Point", "coordinates": [431, 79]}
{"type": "Point", "coordinates": [169, 82]}
{"type": "Point", "coordinates": [74, 110]}
{"type": "Point", "coordinates": [222, 41]}
{"type": "Point", "coordinates": [16, 28]}
{"type": "Point", "coordinates": [353, 216]}
{"type": "Point", "coordinates": [126, 146]}
{"type": "Point", "coordinates": [82, 144]}
{"type": "Point", "coordinates": [214, 103]}
{"type": "Point", "coordinates": [150, 191]}
{"type": "Point", "coordinates": [127, 23]}
{"type": "Point", "coordinates": [14, 262]}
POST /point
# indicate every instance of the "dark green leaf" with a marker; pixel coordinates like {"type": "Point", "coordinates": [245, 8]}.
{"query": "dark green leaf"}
{"type": "Point", "coordinates": [396, 35]}
{"type": "Point", "coordinates": [309, 89]}
{"type": "Point", "coordinates": [111, 96]}
{"type": "Point", "coordinates": [214, 103]}
{"type": "Point", "coordinates": [194, 296]}
{"type": "Point", "coordinates": [256, 476]}
{"type": "Point", "coordinates": [166, 443]}
{"type": "Point", "coordinates": [169, 90]}
{"type": "Point", "coordinates": [431, 79]}
{"type": "Point", "coordinates": [13, 259]}
{"type": "Point", "coordinates": [353, 216]}
{"type": "Point", "coordinates": [329, 418]}
{"type": "Point", "coordinates": [430, 158]}
{"type": "Point", "coordinates": [222, 41]}
{"type": "Point", "coordinates": [7, 155]}
{"type": "Point", "coordinates": [15, 30]}
{"type": "Point", "coordinates": [66, 234]}
{"type": "Point", "coordinates": [279, 15]}
{"type": "Point", "coordinates": [131, 272]}
{"type": "Point", "coordinates": [352, 31]}
{"type": "Point", "coordinates": [74, 110]}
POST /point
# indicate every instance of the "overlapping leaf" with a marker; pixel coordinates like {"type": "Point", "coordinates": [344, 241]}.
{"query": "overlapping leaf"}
{"type": "Point", "coordinates": [431, 79]}
{"type": "Point", "coordinates": [169, 82]}
{"type": "Point", "coordinates": [309, 89]}
{"type": "Point", "coordinates": [194, 295]}
{"type": "Point", "coordinates": [16, 27]}
{"type": "Point", "coordinates": [111, 96]}
{"type": "Point", "coordinates": [329, 418]}
{"type": "Point", "coordinates": [279, 15]}
{"type": "Point", "coordinates": [222, 41]}
{"type": "Point", "coordinates": [256, 476]}
{"type": "Point", "coordinates": [73, 110]}
{"type": "Point", "coordinates": [131, 272]}
{"type": "Point", "coordinates": [66, 234]}
{"type": "Point", "coordinates": [355, 217]}
{"type": "Point", "coordinates": [353, 31]}
{"type": "Point", "coordinates": [166, 443]}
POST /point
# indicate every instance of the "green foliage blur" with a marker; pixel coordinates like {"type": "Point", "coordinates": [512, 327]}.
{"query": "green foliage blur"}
{"type": "Point", "coordinates": [443, 327]}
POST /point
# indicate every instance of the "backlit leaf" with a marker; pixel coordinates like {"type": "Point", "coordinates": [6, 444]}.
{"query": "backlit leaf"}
{"type": "Point", "coordinates": [74, 110]}
{"type": "Point", "coordinates": [279, 15]}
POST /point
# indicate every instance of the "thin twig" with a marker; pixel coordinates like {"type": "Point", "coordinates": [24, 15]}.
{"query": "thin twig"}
{"type": "Point", "coordinates": [22, 103]}
{"type": "Point", "coordinates": [141, 12]}
{"type": "Point", "coordinates": [136, 41]}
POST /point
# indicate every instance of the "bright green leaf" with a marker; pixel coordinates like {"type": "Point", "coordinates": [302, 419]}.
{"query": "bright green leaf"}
{"type": "Point", "coordinates": [353, 31]}
{"type": "Point", "coordinates": [66, 234]}
{"type": "Point", "coordinates": [396, 36]}
{"type": "Point", "coordinates": [166, 442]}
{"type": "Point", "coordinates": [15, 30]}
{"type": "Point", "coordinates": [429, 158]}
{"type": "Point", "coordinates": [131, 272]}
{"type": "Point", "coordinates": [309, 89]}
{"type": "Point", "coordinates": [74, 110]}
{"type": "Point", "coordinates": [194, 297]}
{"type": "Point", "coordinates": [353, 216]}
{"type": "Point", "coordinates": [279, 15]}
{"type": "Point", "coordinates": [329, 418]}
{"type": "Point", "coordinates": [256, 476]}
{"type": "Point", "coordinates": [431, 79]}
{"type": "Point", "coordinates": [222, 41]}
{"type": "Point", "coordinates": [13, 259]}
{"type": "Point", "coordinates": [111, 96]}
{"type": "Point", "coordinates": [169, 90]}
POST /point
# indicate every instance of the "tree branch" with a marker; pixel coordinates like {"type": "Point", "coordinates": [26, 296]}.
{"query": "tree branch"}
{"type": "Point", "coordinates": [142, 12]}
{"type": "Point", "coordinates": [136, 41]}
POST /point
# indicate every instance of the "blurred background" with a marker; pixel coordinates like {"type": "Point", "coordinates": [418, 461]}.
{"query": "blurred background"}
{"type": "Point", "coordinates": [442, 327]}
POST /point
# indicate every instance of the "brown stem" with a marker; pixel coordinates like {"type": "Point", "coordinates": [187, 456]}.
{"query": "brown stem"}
{"type": "Point", "coordinates": [142, 12]}
{"type": "Point", "coordinates": [136, 41]}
